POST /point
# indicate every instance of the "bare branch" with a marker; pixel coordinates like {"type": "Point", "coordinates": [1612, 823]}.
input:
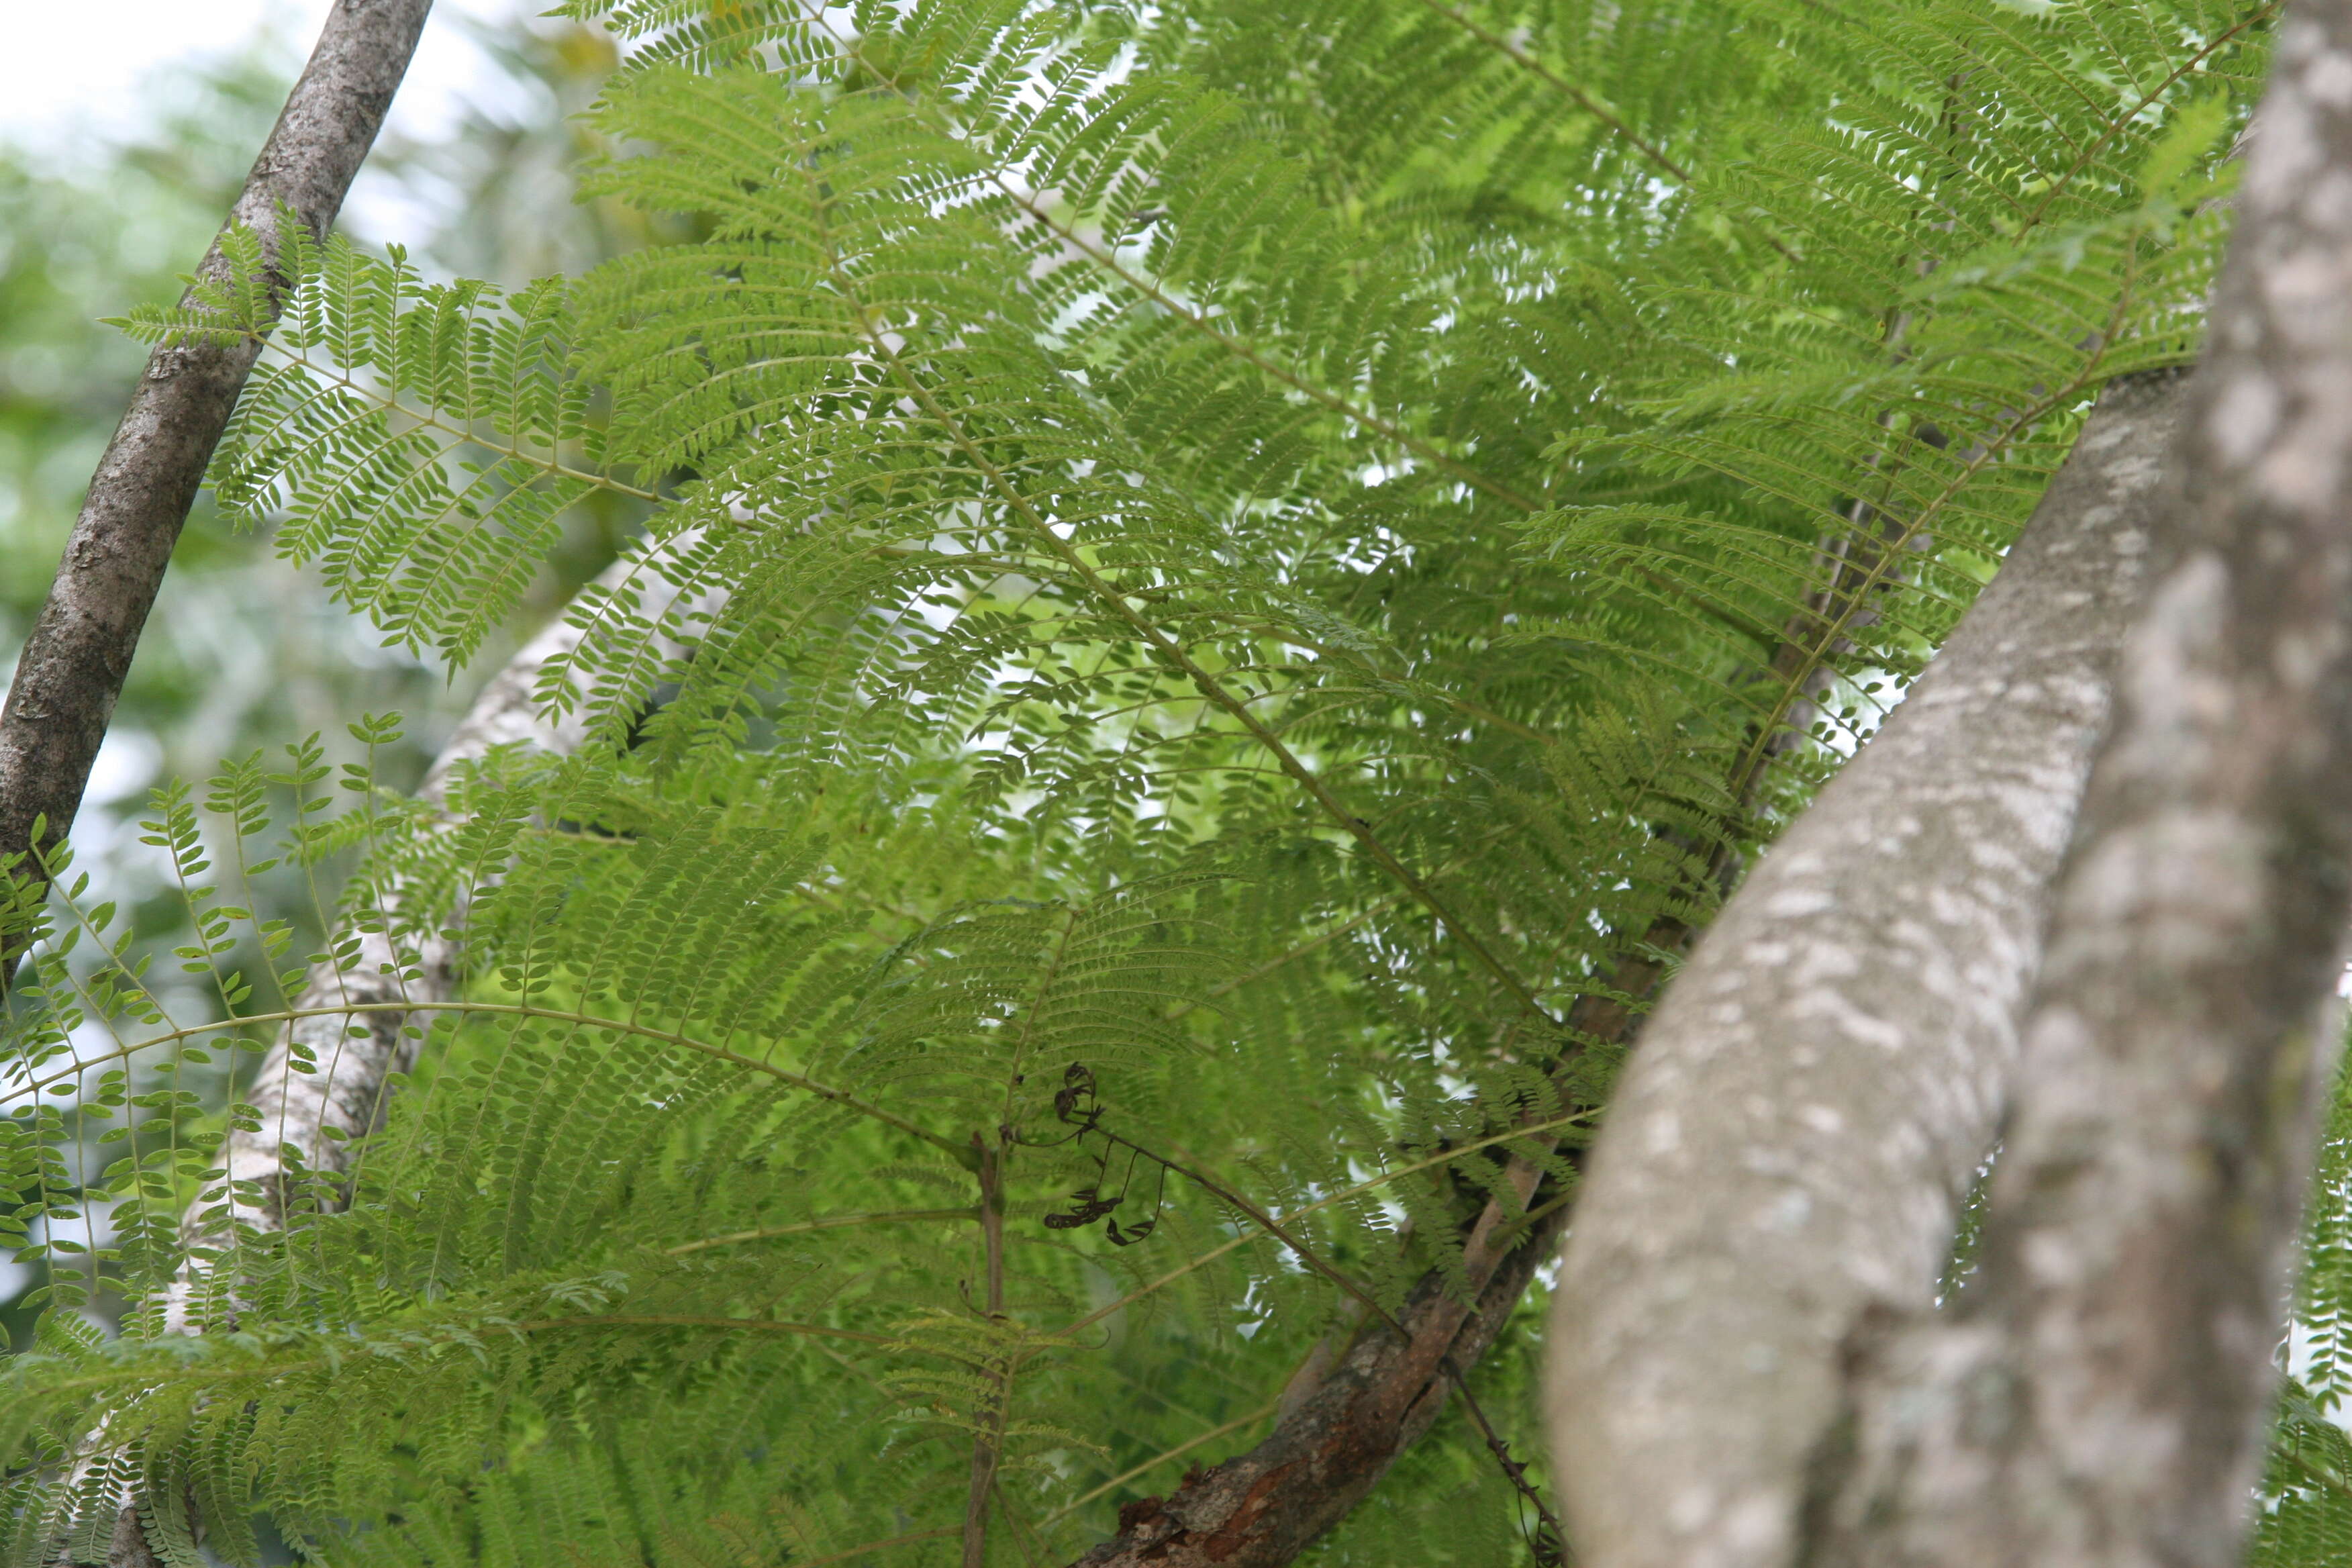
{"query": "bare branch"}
{"type": "Point", "coordinates": [73, 667]}
{"type": "Point", "coordinates": [988, 1443]}
{"type": "Point", "coordinates": [1263, 1508]}
{"type": "Point", "coordinates": [1340, 1429]}
{"type": "Point", "coordinates": [322, 1083]}
{"type": "Point", "coordinates": [316, 1099]}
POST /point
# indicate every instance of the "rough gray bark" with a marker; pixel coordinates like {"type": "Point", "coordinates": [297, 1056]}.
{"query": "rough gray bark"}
{"type": "Point", "coordinates": [1792, 1140]}
{"type": "Point", "coordinates": [73, 665]}
{"type": "Point", "coordinates": [2098, 1398]}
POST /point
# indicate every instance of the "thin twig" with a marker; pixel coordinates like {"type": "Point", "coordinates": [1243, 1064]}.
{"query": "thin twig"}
{"type": "Point", "coordinates": [831, 1221]}
{"type": "Point", "coordinates": [1584, 101]}
{"type": "Point", "coordinates": [1153, 1463]}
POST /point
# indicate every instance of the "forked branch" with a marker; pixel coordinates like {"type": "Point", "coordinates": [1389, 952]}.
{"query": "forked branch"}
{"type": "Point", "coordinates": [1793, 1138]}
{"type": "Point", "coordinates": [2100, 1393]}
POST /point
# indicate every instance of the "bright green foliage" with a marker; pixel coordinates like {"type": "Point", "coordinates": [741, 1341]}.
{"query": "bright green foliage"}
{"type": "Point", "coordinates": [1252, 550]}
{"type": "Point", "coordinates": [438, 548]}
{"type": "Point", "coordinates": [2306, 1514]}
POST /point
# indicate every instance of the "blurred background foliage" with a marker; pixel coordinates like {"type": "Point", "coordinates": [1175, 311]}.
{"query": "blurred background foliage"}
{"type": "Point", "coordinates": [244, 651]}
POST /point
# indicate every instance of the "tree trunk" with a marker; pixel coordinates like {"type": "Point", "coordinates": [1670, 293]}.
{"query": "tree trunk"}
{"type": "Point", "coordinates": [73, 665]}
{"type": "Point", "coordinates": [1793, 1138]}
{"type": "Point", "coordinates": [2100, 1395]}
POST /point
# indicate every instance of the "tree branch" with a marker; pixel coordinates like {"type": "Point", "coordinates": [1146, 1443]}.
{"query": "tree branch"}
{"type": "Point", "coordinates": [1297, 1502]}
{"type": "Point", "coordinates": [72, 667]}
{"type": "Point", "coordinates": [2099, 1396]}
{"type": "Point", "coordinates": [988, 1443]}
{"type": "Point", "coordinates": [1794, 1137]}
{"type": "Point", "coordinates": [1337, 1437]}
{"type": "Point", "coordinates": [321, 1084]}
{"type": "Point", "coordinates": [1263, 1508]}
{"type": "Point", "coordinates": [350, 1055]}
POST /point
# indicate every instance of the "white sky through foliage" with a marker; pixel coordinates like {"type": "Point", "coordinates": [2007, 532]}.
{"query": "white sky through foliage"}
{"type": "Point", "coordinates": [77, 77]}
{"type": "Point", "coordinates": [76, 74]}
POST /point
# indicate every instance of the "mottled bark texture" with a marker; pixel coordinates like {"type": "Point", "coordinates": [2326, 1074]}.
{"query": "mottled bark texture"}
{"type": "Point", "coordinates": [329, 1071]}
{"type": "Point", "coordinates": [73, 667]}
{"type": "Point", "coordinates": [1792, 1142]}
{"type": "Point", "coordinates": [322, 1083]}
{"type": "Point", "coordinates": [2099, 1395]}
{"type": "Point", "coordinates": [1347, 1417]}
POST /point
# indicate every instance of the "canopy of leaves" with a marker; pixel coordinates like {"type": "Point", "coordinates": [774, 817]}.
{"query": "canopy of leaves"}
{"type": "Point", "coordinates": [1237, 561]}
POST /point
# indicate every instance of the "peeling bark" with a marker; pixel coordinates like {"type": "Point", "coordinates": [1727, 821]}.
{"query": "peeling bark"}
{"type": "Point", "coordinates": [1793, 1140]}
{"type": "Point", "coordinates": [73, 665]}
{"type": "Point", "coordinates": [2099, 1396]}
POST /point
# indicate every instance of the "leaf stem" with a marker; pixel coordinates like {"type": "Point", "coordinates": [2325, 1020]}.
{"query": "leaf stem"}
{"type": "Point", "coordinates": [987, 1445]}
{"type": "Point", "coordinates": [1584, 101]}
{"type": "Point", "coordinates": [504, 1010]}
{"type": "Point", "coordinates": [1208, 685]}
{"type": "Point", "coordinates": [830, 1222]}
{"type": "Point", "coordinates": [1180, 1449]}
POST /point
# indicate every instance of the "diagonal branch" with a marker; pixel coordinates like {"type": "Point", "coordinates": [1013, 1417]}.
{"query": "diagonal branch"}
{"type": "Point", "coordinates": [2099, 1395]}
{"type": "Point", "coordinates": [988, 1443]}
{"type": "Point", "coordinates": [1808, 1104]}
{"type": "Point", "coordinates": [322, 1086]}
{"type": "Point", "coordinates": [324, 1078]}
{"type": "Point", "coordinates": [1261, 1509]}
{"type": "Point", "coordinates": [1339, 1434]}
{"type": "Point", "coordinates": [72, 667]}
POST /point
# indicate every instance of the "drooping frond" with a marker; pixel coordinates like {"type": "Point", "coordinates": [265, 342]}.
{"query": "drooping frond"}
{"type": "Point", "coordinates": [1229, 577]}
{"type": "Point", "coordinates": [418, 441]}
